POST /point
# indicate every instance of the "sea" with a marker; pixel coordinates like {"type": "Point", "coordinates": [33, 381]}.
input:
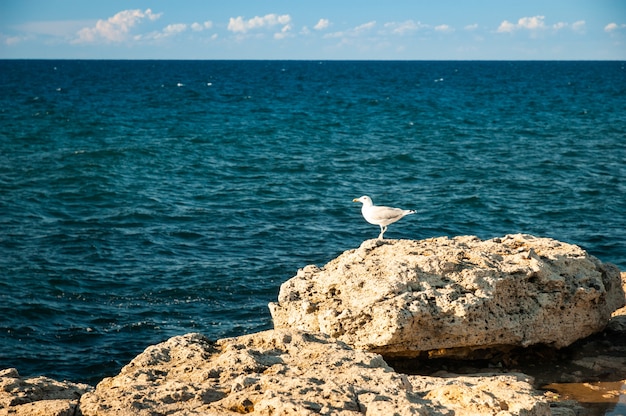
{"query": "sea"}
{"type": "Point", "coordinates": [141, 200]}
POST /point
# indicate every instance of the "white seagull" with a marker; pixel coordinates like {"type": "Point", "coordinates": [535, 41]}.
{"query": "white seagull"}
{"type": "Point", "coordinates": [380, 215]}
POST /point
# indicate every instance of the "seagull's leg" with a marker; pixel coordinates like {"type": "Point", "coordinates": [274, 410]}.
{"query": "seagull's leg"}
{"type": "Point", "coordinates": [382, 231]}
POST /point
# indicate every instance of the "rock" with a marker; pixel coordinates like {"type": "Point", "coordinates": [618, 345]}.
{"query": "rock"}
{"type": "Point", "coordinates": [451, 297]}
{"type": "Point", "coordinates": [480, 394]}
{"type": "Point", "coordinates": [285, 372]}
{"type": "Point", "coordinates": [38, 395]}
{"type": "Point", "coordinates": [273, 372]}
{"type": "Point", "coordinates": [618, 318]}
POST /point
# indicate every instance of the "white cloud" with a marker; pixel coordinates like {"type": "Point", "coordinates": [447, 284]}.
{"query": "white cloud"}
{"type": "Point", "coordinates": [284, 32]}
{"type": "Point", "coordinates": [12, 40]}
{"type": "Point", "coordinates": [174, 29]}
{"type": "Point", "coordinates": [528, 23]}
{"type": "Point", "coordinates": [115, 28]}
{"type": "Point", "coordinates": [611, 27]}
{"type": "Point", "coordinates": [531, 23]}
{"type": "Point", "coordinates": [444, 29]}
{"type": "Point", "coordinates": [506, 27]}
{"type": "Point", "coordinates": [537, 23]}
{"type": "Point", "coordinates": [402, 28]}
{"type": "Point", "coordinates": [365, 27]}
{"type": "Point", "coordinates": [169, 30]}
{"type": "Point", "coordinates": [579, 26]}
{"type": "Point", "coordinates": [199, 27]}
{"type": "Point", "coordinates": [471, 27]}
{"type": "Point", "coordinates": [322, 24]}
{"type": "Point", "coordinates": [239, 25]}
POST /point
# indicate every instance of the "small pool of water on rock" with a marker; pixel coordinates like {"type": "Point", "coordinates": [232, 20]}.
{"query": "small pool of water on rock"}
{"type": "Point", "coordinates": [600, 398]}
{"type": "Point", "coordinates": [588, 377]}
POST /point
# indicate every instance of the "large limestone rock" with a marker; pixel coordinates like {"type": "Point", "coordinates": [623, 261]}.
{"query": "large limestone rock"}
{"type": "Point", "coordinates": [284, 372]}
{"type": "Point", "coordinates": [453, 296]}
{"type": "Point", "coordinates": [38, 396]}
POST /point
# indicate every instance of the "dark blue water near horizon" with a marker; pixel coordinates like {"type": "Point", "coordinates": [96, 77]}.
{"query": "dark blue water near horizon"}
{"type": "Point", "coordinates": [145, 199]}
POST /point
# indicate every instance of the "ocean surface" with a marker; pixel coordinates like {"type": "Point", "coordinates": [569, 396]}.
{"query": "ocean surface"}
{"type": "Point", "coordinates": [140, 200]}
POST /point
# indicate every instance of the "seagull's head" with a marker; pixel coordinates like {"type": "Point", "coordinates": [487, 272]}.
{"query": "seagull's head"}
{"type": "Point", "coordinates": [365, 200]}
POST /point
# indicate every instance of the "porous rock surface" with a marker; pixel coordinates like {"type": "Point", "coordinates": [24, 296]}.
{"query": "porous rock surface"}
{"type": "Point", "coordinates": [284, 372]}
{"type": "Point", "coordinates": [480, 394]}
{"type": "Point", "coordinates": [38, 396]}
{"type": "Point", "coordinates": [450, 297]}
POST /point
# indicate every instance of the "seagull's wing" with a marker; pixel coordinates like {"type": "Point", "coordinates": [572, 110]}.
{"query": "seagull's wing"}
{"type": "Point", "coordinates": [385, 215]}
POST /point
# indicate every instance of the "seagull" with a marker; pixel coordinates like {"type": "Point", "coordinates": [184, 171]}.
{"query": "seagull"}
{"type": "Point", "coordinates": [380, 215]}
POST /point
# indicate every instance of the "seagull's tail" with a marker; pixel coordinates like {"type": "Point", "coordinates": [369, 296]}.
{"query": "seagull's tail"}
{"type": "Point", "coordinates": [410, 211]}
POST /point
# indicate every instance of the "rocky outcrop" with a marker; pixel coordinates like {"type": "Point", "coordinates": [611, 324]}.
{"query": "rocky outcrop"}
{"type": "Point", "coordinates": [404, 298]}
{"type": "Point", "coordinates": [451, 297]}
{"type": "Point", "coordinates": [283, 372]}
{"type": "Point", "coordinates": [38, 396]}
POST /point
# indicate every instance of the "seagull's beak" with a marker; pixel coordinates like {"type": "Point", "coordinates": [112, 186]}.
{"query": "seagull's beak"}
{"type": "Point", "coordinates": [356, 200]}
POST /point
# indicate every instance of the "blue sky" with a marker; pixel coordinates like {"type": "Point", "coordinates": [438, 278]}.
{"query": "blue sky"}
{"type": "Point", "coordinates": [315, 29]}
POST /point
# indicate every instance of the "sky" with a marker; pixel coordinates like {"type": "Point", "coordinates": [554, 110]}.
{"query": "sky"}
{"type": "Point", "coordinates": [314, 29]}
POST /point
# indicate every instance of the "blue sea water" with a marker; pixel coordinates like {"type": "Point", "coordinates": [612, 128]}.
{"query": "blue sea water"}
{"type": "Point", "coordinates": [145, 199]}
